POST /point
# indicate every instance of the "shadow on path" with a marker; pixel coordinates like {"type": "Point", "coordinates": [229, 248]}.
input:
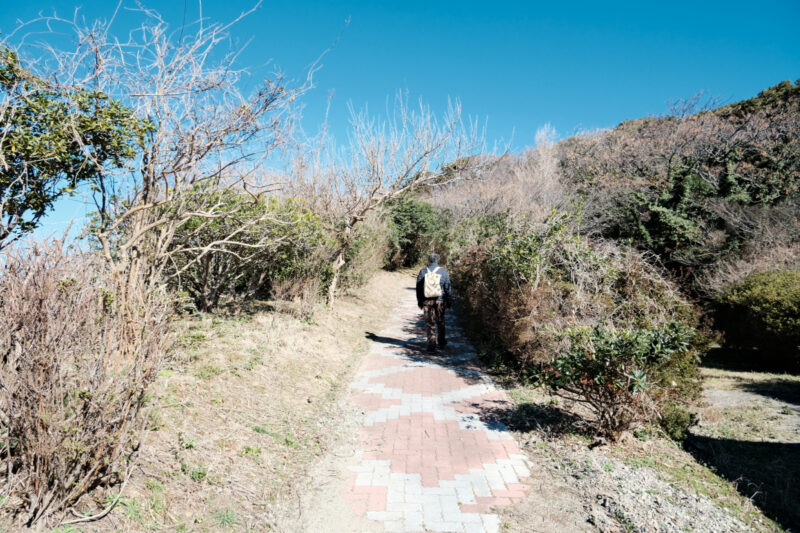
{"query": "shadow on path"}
{"type": "Point", "coordinates": [459, 357]}
{"type": "Point", "coordinates": [526, 417]}
{"type": "Point", "coordinates": [408, 343]}
{"type": "Point", "coordinates": [456, 357]}
{"type": "Point", "coordinates": [741, 360]}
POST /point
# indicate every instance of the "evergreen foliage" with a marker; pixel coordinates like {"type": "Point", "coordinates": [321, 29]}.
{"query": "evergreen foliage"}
{"type": "Point", "coordinates": [254, 243]}
{"type": "Point", "coordinates": [54, 139]}
{"type": "Point", "coordinates": [619, 373]}
{"type": "Point", "coordinates": [418, 228]}
{"type": "Point", "coordinates": [763, 312]}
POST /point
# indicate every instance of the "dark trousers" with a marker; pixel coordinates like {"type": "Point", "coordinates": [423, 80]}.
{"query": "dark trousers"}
{"type": "Point", "coordinates": [433, 310]}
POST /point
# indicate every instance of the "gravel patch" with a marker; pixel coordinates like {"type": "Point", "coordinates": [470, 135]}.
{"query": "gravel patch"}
{"type": "Point", "coordinates": [615, 496]}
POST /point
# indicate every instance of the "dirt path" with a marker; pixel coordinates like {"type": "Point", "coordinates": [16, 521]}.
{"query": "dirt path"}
{"type": "Point", "coordinates": [427, 453]}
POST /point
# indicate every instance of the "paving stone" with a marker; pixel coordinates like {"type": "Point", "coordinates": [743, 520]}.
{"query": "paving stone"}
{"type": "Point", "coordinates": [431, 455]}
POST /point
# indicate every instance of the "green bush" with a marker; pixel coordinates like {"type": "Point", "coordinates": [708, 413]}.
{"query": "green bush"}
{"type": "Point", "coordinates": [675, 420]}
{"type": "Point", "coordinates": [592, 321]}
{"type": "Point", "coordinates": [249, 246]}
{"type": "Point", "coordinates": [417, 228]}
{"type": "Point", "coordinates": [618, 374]}
{"type": "Point", "coordinates": [763, 312]}
{"type": "Point", "coordinates": [55, 140]}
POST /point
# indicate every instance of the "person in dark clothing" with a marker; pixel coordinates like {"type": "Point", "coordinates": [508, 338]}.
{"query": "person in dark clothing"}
{"type": "Point", "coordinates": [433, 308]}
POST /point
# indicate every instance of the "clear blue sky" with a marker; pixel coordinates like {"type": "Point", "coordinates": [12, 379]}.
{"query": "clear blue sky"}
{"type": "Point", "coordinates": [577, 65]}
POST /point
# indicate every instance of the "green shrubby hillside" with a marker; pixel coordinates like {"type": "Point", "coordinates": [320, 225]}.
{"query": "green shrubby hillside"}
{"type": "Point", "coordinates": [714, 195]}
{"type": "Point", "coordinates": [591, 263]}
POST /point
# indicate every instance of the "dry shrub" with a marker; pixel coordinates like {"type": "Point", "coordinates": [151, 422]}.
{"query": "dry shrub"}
{"type": "Point", "coordinates": [302, 295]}
{"type": "Point", "coordinates": [535, 281]}
{"type": "Point", "coordinates": [77, 360]}
{"type": "Point", "coordinates": [527, 184]}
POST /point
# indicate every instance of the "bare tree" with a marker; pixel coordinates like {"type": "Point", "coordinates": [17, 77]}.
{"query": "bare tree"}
{"type": "Point", "coordinates": [385, 158]}
{"type": "Point", "coordinates": [200, 129]}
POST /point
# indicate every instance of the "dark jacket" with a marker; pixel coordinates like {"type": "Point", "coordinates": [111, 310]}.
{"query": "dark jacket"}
{"type": "Point", "coordinates": [446, 296]}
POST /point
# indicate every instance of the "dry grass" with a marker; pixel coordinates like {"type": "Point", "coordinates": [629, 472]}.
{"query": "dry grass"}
{"type": "Point", "coordinates": [551, 433]}
{"type": "Point", "coordinates": [245, 408]}
{"type": "Point", "coordinates": [749, 431]}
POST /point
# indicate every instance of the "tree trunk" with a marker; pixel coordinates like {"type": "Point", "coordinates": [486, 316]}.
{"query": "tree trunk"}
{"type": "Point", "coordinates": [337, 265]}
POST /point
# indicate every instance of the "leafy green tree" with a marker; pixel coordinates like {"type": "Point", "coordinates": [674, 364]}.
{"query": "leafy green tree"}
{"type": "Point", "coordinates": [52, 139]}
{"type": "Point", "coordinates": [417, 228]}
{"type": "Point", "coordinates": [250, 245]}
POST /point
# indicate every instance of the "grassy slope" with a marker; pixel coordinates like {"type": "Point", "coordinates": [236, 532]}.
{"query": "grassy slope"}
{"type": "Point", "coordinates": [245, 407]}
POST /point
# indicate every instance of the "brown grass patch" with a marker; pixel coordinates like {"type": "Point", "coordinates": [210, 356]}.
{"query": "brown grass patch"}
{"type": "Point", "coordinates": [244, 409]}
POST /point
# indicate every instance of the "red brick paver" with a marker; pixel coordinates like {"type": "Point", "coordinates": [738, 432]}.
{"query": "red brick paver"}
{"type": "Point", "coordinates": [432, 455]}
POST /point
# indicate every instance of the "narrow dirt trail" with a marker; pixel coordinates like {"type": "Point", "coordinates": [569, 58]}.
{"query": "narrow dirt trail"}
{"type": "Point", "coordinates": [428, 452]}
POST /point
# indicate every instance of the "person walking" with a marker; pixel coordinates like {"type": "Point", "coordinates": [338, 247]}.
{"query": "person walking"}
{"type": "Point", "coordinates": [434, 297]}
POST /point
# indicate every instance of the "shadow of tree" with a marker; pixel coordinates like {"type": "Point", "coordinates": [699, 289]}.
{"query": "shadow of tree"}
{"type": "Point", "coordinates": [766, 472]}
{"type": "Point", "coordinates": [523, 417]}
{"type": "Point", "coordinates": [785, 390]}
{"type": "Point", "coordinates": [742, 360]}
{"type": "Point", "coordinates": [530, 416]}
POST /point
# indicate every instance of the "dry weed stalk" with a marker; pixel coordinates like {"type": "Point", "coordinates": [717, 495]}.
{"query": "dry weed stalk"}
{"type": "Point", "coordinates": [75, 367]}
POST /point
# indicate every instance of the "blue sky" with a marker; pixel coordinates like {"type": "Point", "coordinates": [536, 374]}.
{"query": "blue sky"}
{"type": "Point", "coordinates": [518, 65]}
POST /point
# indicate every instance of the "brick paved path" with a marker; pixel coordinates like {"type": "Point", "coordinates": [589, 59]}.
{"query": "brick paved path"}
{"type": "Point", "coordinates": [431, 455]}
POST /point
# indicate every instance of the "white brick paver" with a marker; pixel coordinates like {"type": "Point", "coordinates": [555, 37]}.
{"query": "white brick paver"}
{"type": "Point", "coordinates": [427, 462]}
